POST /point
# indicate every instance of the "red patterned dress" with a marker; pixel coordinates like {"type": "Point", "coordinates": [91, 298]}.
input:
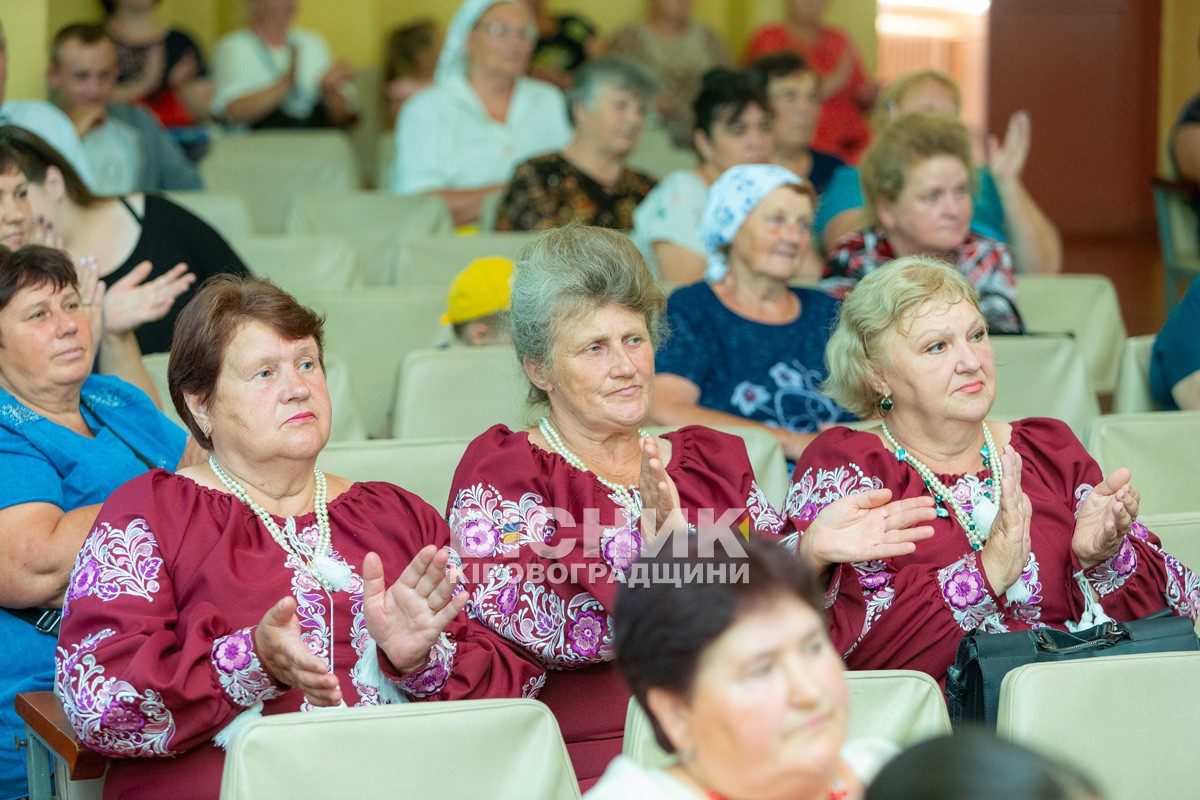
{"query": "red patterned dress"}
{"type": "Point", "coordinates": [545, 546]}
{"type": "Point", "coordinates": [910, 612]}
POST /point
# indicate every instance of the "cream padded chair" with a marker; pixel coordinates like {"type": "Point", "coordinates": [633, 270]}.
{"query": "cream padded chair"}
{"type": "Point", "coordinates": [1133, 378]}
{"type": "Point", "coordinates": [1160, 449]}
{"type": "Point", "coordinates": [301, 263]}
{"type": "Point", "coordinates": [225, 212]}
{"type": "Point", "coordinates": [406, 750]}
{"type": "Point", "coordinates": [423, 466]}
{"type": "Point", "coordinates": [766, 458]}
{"type": "Point", "coordinates": [902, 706]}
{"type": "Point", "coordinates": [435, 260]}
{"type": "Point", "coordinates": [657, 156]}
{"type": "Point", "coordinates": [376, 224]}
{"type": "Point", "coordinates": [1084, 306]}
{"type": "Point", "coordinates": [372, 330]}
{"type": "Point", "coordinates": [459, 392]}
{"type": "Point", "coordinates": [1127, 721]}
{"type": "Point", "coordinates": [269, 168]}
{"type": "Point", "coordinates": [1043, 376]}
{"type": "Point", "coordinates": [156, 365]}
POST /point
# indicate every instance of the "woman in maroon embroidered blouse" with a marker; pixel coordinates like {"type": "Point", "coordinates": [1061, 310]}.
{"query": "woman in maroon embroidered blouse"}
{"type": "Point", "coordinates": [550, 520]}
{"type": "Point", "coordinates": [174, 631]}
{"type": "Point", "coordinates": [1063, 549]}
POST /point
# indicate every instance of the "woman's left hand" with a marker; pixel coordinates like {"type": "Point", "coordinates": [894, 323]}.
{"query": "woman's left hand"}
{"type": "Point", "coordinates": [133, 301]}
{"type": "Point", "coordinates": [1104, 518]}
{"type": "Point", "coordinates": [91, 295]}
{"type": "Point", "coordinates": [406, 618]}
{"type": "Point", "coordinates": [660, 498]}
{"type": "Point", "coordinates": [866, 527]}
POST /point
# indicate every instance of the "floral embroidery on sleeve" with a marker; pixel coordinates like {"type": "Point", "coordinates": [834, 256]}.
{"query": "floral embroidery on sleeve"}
{"type": "Point", "coordinates": [1110, 575]}
{"type": "Point", "coordinates": [241, 674]}
{"type": "Point", "coordinates": [1024, 598]}
{"type": "Point", "coordinates": [484, 524]}
{"type": "Point", "coordinates": [965, 592]}
{"type": "Point", "coordinates": [431, 678]}
{"type": "Point", "coordinates": [110, 715]}
{"type": "Point", "coordinates": [763, 515]}
{"type": "Point", "coordinates": [810, 493]}
{"type": "Point", "coordinates": [620, 546]}
{"type": "Point", "coordinates": [115, 561]}
{"type": "Point", "coordinates": [533, 687]}
{"type": "Point", "coordinates": [1183, 588]}
{"type": "Point", "coordinates": [875, 579]}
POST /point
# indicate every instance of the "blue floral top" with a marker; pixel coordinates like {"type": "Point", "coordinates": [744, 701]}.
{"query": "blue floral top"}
{"type": "Point", "coordinates": [768, 373]}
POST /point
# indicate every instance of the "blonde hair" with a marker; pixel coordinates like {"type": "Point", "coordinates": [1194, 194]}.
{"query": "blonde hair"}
{"type": "Point", "coordinates": [894, 94]}
{"type": "Point", "coordinates": [902, 145]}
{"type": "Point", "coordinates": [873, 313]}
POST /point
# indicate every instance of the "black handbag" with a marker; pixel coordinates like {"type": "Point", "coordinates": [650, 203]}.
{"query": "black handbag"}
{"type": "Point", "coordinates": [983, 659]}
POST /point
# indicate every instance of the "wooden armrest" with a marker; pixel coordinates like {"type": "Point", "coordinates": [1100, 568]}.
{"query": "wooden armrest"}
{"type": "Point", "coordinates": [43, 712]}
{"type": "Point", "coordinates": [1189, 190]}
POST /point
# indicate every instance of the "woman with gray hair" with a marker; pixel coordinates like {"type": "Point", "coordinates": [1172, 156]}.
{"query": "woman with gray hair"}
{"type": "Point", "coordinates": [550, 520]}
{"type": "Point", "coordinates": [1029, 532]}
{"type": "Point", "coordinates": [588, 180]}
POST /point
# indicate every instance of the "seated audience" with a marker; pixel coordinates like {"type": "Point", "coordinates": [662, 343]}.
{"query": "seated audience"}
{"type": "Point", "coordinates": [739, 681]}
{"type": "Point", "coordinates": [676, 51]}
{"type": "Point", "coordinates": [1003, 210]}
{"type": "Point", "coordinates": [271, 75]}
{"type": "Point", "coordinates": [977, 765]}
{"type": "Point", "coordinates": [134, 240]}
{"type": "Point", "coordinates": [463, 136]}
{"type": "Point", "coordinates": [918, 180]}
{"type": "Point", "coordinates": [586, 315]}
{"type": "Point", "coordinates": [1175, 359]}
{"type": "Point", "coordinates": [162, 69]}
{"type": "Point", "coordinates": [1029, 531]}
{"type": "Point", "coordinates": [478, 303]}
{"type": "Point", "coordinates": [175, 597]}
{"type": "Point", "coordinates": [588, 181]}
{"type": "Point", "coordinates": [794, 90]}
{"type": "Point", "coordinates": [44, 119]}
{"type": "Point", "coordinates": [733, 126]}
{"type": "Point", "coordinates": [409, 61]}
{"type": "Point", "coordinates": [69, 438]}
{"type": "Point", "coordinates": [564, 43]}
{"type": "Point", "coordinates": [127, 147]}
{"type": "Point", "coordinates": [847, 92]}
{"type": "Point", "coordinates": [745, 347]}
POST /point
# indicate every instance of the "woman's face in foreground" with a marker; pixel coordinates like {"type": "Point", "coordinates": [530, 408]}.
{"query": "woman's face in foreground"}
{"type": "Point", "coordinates": [16, 215]}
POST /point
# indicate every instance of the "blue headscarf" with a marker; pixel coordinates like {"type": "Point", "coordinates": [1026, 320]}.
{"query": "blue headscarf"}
{"type": "Point", "coordinates": [730, 201]}
{"type": "Point", "coordinates": [453, 60]}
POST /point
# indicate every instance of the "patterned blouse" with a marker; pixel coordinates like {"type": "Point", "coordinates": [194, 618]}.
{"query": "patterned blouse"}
{"type": "Point", "coordinates": [985, 262]}
{"type": "Point", "coordinates": [910, 612]}
{"type": "Point", "coordinates": [549, 191]}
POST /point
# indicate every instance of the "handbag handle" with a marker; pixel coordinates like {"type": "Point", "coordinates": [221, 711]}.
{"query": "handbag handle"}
{"type": "Point", "coordinates": [1052, 641]}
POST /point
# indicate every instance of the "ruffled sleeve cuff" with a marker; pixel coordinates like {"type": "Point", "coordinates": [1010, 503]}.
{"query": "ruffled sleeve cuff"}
{"type": "Point", "coordinates": [240, 673]}
{"type": "Point", "coordinates": [425, 681]}
{"type": "Point", "coordinates": [1111, 574]}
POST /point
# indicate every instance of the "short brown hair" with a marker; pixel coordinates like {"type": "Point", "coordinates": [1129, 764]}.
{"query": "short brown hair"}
{"type": "Point", "coordinates": [29, 154]}
{"type": "Point", "coordinates": [83, 32]}
{"type": "Point", "coordinates": [208, 323]}
{"type": "Point", "coordinates": [32, 266]}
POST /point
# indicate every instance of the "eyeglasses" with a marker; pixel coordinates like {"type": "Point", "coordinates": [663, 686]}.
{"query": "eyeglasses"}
{"type": "Point", "coordinates": [526, 33]}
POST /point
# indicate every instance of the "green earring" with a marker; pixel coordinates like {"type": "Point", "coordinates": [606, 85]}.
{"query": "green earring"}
{"type": "Point", "coordinates": [885, 404]}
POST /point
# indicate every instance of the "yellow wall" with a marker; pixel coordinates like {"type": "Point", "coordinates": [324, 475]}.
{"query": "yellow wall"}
{"type": "Point", "coordinates": [25, 26]}
{"type": "Point", "coordinates": [1179, 61]}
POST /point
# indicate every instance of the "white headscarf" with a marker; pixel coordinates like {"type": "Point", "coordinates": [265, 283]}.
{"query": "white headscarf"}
{"type": "Point", "coordinates": [453, 60]}
{"type": "Point", "coordinates": [730, 200]}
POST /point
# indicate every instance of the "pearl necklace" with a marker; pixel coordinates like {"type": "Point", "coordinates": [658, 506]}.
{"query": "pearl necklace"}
{"type": "Point", "coordinates": [978, 524]}
{"type": "Point", "coordinates": [333, 575]}
{"type": "Point", "coordinates": [622, 492]}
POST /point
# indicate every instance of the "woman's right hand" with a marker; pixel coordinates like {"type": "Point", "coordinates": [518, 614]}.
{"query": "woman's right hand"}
{"type": "Point", "coordinates": [660, 498]}
{"type": "Point", "coordinates": [288, 659]}
{"type": "Point", "coordinates": [866, 527]}
{"type": "Point", "coordinates": [133, 301]}
{"type": "Point", "coordinates": [1006, 552]}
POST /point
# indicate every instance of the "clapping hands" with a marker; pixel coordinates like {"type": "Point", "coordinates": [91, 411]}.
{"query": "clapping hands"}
{"type": "Point", "coordinates": [866, 527]}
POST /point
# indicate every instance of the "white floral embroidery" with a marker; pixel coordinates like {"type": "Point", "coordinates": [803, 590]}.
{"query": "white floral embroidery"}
{"type": "Point", "coordinates": [103, 397]}
{"type": "Point", "coordinates": [239, 671]}
{"type": "Point", "coordinates": [965, 593]}
{"type": "Point", "coordinates": [1111, 574]}
{"type": "Point", "coordinates": [875, 579]}
{"type": "Point", "coordinates": [763, 515]}
{"type": "Point", "coordinates": [116, 561]}
{"type": "Point", "coordinates": [533, 687]}
{"type": "Point", "coordinates": [110, 715]}
{"type": "Point", "coordinates": [621, 545]}
{"type": "Point", "coordinates": [483, 524]}
{"type": "Point", "coordinates": [431, 678]}
{"type": "Point", "coordinates": [812, 492]}
{"type": "Point", "coordinates": [1024, 597]}
{"type": "Point", "coordinates": [1182, 589]}
{"type": "Point", "coordinates": [18, 415]}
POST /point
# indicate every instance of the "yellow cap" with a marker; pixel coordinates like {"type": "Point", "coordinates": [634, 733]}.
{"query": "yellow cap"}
{"type": "Point", "coordinates": [483, 288]}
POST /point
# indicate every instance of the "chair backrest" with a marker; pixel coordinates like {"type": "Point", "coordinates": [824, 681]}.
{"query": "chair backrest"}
{"type": "Point", "coordinates": [1132, 393]}
{"type": "Point", "coordinates": [459, 392]}
{"type": "Point", "coordinates": [1127, 721]}
{"type": "Point", "coordinates": [901, 706]}
{"type": "Point", "coordinates": [225, 212]}
{"type": "Point", "coordinates": [269, 168]}
{"type": "Point", "coordinates": [766, 458]}
{"type": "Point", "coordinates": [156, 365]}
{"type": "Point", "coordinates": [372, 330]}
{"type": "Point", "coordinates": [435, 260]}
{"type": "Point", "coordinates": [423, 466]}
{"type": "Point", "coordinates": [377, 224]}
{"type": "Point", "coordinates": [364, 136]}
{"type": "Point", "coordinates": [1086, 308]}
{"type": "Point", "coordinates": [407, 750]}
{"type": "Point", "coordinates": [1178, 235]}
{"type": "Point", "coordinates": [301, 263]}
{"type": "Point", "coordinates": [1160, 449]}
{"type": "Point", "coordinates": [1043, 376]}
{"type": "Point", "coordinates": [657, 156]}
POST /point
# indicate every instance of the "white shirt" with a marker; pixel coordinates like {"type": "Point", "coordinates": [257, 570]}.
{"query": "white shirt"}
{"type": "Point", "coordinates": [671, 213]}
{"type": "Point", "coordinates": [243, 64]}
{"type": "Point", "coordinates": [446, 140]}
{"type": "Point", "coordinates": [51, 124]}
